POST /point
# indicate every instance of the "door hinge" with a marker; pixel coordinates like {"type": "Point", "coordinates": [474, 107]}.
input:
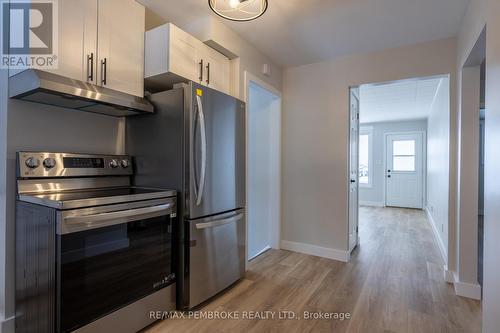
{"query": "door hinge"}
{"type": "Point", "coordinates": [357, 229]}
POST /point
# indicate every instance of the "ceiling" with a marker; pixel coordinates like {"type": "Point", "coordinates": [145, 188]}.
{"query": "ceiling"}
{"type": "Point", "coordinates": [296, 32]}
{"type": "Point", "coordinates": [403, 100]}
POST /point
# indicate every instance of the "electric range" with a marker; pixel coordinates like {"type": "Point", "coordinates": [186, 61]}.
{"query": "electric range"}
{"type": "Point", "coordinates": [93, 252]}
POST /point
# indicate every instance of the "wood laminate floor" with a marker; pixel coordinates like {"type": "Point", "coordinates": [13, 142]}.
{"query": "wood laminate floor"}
{"type": "Point", "coordinates": [394, 283]}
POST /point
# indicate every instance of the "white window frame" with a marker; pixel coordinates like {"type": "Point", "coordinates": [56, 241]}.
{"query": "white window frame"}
{"type": "Point", "coordinates": [368, 130]}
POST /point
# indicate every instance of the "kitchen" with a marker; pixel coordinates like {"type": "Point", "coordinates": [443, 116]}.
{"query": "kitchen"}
{"type": "Point", "coordinates": [127, 173]}
{"type": "Point", "coordinates": [114, 64]}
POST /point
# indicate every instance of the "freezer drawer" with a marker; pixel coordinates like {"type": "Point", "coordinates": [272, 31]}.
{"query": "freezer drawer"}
{"type": "Point", "coordinates": [217, 254]}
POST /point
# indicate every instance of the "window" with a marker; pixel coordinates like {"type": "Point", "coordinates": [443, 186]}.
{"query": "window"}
{"type": "Point", "coordinates": [365, 157]}
{"type": "Point", "coordinates": [403, 155]}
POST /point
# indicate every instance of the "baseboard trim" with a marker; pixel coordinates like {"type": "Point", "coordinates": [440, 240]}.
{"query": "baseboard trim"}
{"type": "Point", "coordinates": [437, 236]}
{"type": "Point", "coordinates": [315, 250]}
{"type": "Point", "coordinates": [371, 204]}
{"type": "Point", "coordinates": [448, 275]}
{"type": "Point", "coordinates": [469, 290]}
{"type": "Point", "coordinates": [463, 289]}
{"type": "Point", "coordinates": [8, 325]}
{"type": "Point", "coordinates": [267, 248]}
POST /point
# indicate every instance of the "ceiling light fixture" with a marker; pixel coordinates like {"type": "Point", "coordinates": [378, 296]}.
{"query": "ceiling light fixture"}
{"type": "Point", "coordinates": [239, 10]}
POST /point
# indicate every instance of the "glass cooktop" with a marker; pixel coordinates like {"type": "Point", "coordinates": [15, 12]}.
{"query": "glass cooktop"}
{"type": "Point", "coordinates": [95, 197]}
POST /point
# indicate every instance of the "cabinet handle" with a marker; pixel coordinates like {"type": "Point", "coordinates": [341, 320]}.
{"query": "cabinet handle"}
{"type": "Point", "coordinates": [208, 73]}
{"type": "Point", "coordinates": [104, 69]}
{"type": "Point", "coordinates": [201, 70]}
{"type": "Point", "coordinates": [90, 67]}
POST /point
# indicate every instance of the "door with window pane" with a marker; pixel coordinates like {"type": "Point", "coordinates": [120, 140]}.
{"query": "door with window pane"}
{"type": "Point", "coordinates": [404, 174]}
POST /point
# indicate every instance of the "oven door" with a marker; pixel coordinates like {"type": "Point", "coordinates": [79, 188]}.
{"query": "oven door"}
{"type": "Point", "coordinates": [111, 256]}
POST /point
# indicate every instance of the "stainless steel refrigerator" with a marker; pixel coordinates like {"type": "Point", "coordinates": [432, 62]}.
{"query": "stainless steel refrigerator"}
{"type": "Point", "coordinates": [195, 143]}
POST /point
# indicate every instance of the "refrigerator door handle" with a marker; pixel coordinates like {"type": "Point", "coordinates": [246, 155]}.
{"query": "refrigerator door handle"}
{"type": "Point", "coordinates": [201, 185]}
{"type": "Point", "coordinates": [218, 223]}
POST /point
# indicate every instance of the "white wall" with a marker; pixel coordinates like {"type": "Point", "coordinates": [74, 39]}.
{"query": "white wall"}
{"type": "Point", "coordinates": [36, 127]}
{"type": "Point", "coordinates": [374, 195]}
{"type": "Point", "coordinates": [263, 168]}
{"type": "Point", "coordinates": [480, 13]}
{"type": "Point", "coordinates": [468, 178]}
{"type": "Point", "coordinates": [438, 161]}
{"type": "Point", "coordinates": [316, 105]}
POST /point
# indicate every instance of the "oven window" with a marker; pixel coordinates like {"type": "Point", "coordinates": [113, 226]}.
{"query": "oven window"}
{"type": "Point", "coordinates": [102, 270]}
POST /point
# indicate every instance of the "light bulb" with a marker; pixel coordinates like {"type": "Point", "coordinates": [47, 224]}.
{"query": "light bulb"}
{"type": "Point", "coordinates": [234, 3]}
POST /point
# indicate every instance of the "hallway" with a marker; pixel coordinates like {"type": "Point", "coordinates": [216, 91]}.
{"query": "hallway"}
{"type": "Point", "coordinates": [394, 283]}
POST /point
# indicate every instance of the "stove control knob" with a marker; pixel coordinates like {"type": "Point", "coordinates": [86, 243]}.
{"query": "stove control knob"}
{"type": "Point", "coordinates": [125, 164]}
{"type": "Point", "coordinates": [49, 163]}
{"type": "Point", "coordinates": [32, 163]}
{"type": "Point", "coordinates": [113, 164]}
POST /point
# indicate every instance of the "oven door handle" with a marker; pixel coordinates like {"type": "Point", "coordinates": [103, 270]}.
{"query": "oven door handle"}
{"type": "Point", "coordinates": [87, 222]}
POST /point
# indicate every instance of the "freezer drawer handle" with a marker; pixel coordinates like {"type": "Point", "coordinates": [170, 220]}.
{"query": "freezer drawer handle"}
{"type": "Point", "coordinates": [218, 223]}
{"type": "Point", "coordinates": [93, 221]}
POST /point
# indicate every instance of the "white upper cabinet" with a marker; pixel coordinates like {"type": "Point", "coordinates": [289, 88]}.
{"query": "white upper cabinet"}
{"type": "Point", "coordinates": [217, 75]}
{"type": "Point", "coordinates": [174, 56]}
{"type": "Point", "coordinates": [77, 39]}
{"type": "Point", "coordinates": [102, 42]}
{"type": "Point", "coordinates": [120, 46]}
{"type": "Point", "coordinates": [183, 55]}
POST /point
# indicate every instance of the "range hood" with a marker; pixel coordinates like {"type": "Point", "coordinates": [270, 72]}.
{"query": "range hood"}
{"type": "Point", "coordinates": [48, 88]}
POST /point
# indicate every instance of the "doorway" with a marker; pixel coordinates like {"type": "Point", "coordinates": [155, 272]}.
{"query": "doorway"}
{"type": "Point", "coordinates": [404, 163]}
{"type": "Point", "coordinates": [263, 167]}
{"type": "Point", "coordinates": [399, 156]}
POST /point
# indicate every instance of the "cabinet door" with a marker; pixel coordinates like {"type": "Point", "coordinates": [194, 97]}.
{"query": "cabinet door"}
{"type": "Point", "coordinates": [77, 39]}
{"type": "Point", "coordinates": [216, 70]}
{"type": "Point", "coordinates": [184, 55]}
{"type": "Point", "coordinates": [121, 46]}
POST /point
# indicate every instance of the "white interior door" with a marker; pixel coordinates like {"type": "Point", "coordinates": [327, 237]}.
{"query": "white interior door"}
{"type": "Point", "coordinates": [404, 174]}
{"type": "Point", "coordinates": [263, 170]}
{"type": "Point", "coordinates": [353, 169]}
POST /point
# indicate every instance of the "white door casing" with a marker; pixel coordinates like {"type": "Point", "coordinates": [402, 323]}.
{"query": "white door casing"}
{"type": "Point", "coordinates": [263, 168]}
{"type": "Point", "coordinates": [353, 169]}
{"type": "Point", "coordinates": [404, 170]}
